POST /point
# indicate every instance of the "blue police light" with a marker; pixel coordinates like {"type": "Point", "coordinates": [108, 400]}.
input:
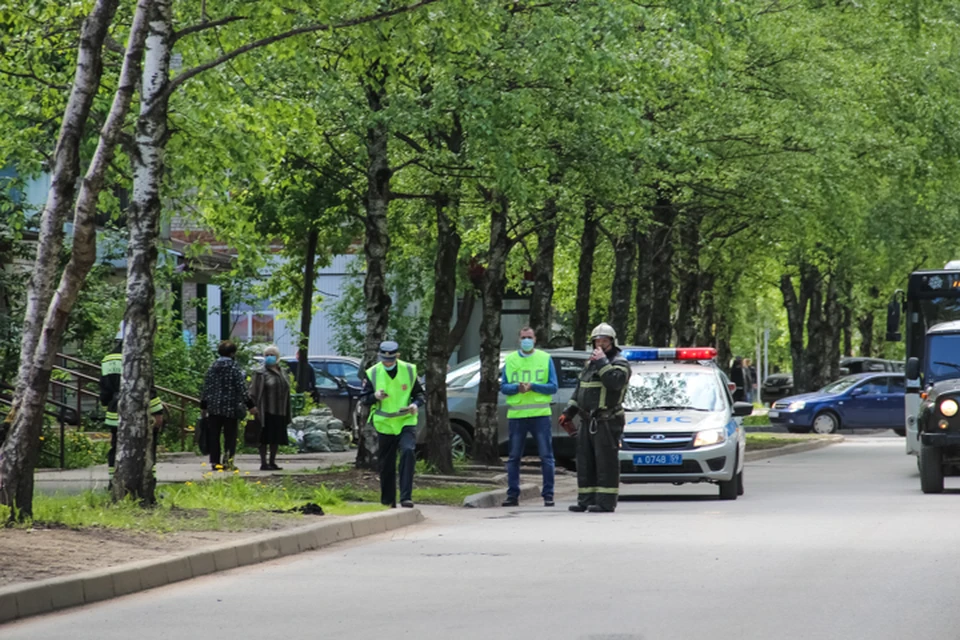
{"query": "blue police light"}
{"type": "Point", "coordinates": [684, 353]}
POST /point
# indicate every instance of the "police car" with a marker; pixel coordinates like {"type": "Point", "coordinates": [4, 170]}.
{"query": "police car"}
{"type": "Point", "coordinates": [682, 424]}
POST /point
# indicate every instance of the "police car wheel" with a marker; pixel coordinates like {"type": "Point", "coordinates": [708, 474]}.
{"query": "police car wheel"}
{"type": "Point", "coordinates": [730, 489]}
{"type": "Point", "coordinates": [740, 483]}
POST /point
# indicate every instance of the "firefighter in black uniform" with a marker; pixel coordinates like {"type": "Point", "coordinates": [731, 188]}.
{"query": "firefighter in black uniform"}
{"type": "Point", "coordinates": [598, 400]}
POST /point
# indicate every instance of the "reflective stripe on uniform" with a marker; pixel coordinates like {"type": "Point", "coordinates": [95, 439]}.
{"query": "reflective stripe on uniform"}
{"type": "Point", "coordinates": [524, 407]}
{"type": "Point", "coordinates": [613, 490]}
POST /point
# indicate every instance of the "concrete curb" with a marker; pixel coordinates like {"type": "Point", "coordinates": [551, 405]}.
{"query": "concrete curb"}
{"type": "Point", "coordinates": [800, 447]}
{"type": "Point", "coordinates": [34, 598]}
{"type": "Point", "coordinates": [493, 498]}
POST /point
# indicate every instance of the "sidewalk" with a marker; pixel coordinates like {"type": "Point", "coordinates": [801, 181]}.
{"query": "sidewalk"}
{"type": "Point", "coordinates": [180, 467]}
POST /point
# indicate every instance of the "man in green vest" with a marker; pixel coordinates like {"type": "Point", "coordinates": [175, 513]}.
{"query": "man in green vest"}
{"type": "Point", "coordinates": [394, 395]}
{"type": "Point", "coordinates": [529, 381]}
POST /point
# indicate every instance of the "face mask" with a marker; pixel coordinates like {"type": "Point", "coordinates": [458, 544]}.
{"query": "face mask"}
{"type": "Point", "coordinates": [526, 344]}
{"type": "Point", "coordinates": [270, 360]}
{"type": "Point", "coordinates": [391, 366]}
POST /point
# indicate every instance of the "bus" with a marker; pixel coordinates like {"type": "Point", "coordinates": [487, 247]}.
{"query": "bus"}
{"type": "Point", "coordinates": [931, 305]}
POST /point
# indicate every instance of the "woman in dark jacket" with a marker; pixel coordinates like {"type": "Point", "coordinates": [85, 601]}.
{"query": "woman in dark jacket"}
{"type": "Point", "coordinates": [270, 396]}
{"type": "Point", "coordinates": [224, 401]}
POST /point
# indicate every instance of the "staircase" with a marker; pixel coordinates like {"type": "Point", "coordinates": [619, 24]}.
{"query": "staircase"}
{"type": "Point", "coordinates": [75, 389]}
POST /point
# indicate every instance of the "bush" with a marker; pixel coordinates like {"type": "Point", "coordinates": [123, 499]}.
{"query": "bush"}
{"type": "Point", "coordinates": [80, 450]}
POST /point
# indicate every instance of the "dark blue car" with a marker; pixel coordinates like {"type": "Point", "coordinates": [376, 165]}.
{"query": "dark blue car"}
{"type": "Point", "coordinates": [866, 400]}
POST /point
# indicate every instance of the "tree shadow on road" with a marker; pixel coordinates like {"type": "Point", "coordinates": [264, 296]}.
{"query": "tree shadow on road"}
{"type": "Point", "coordinates": [661, 498]}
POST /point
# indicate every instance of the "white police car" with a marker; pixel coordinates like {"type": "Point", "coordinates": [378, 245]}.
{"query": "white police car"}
{"type": "Point", "coordinates": [682, 425]}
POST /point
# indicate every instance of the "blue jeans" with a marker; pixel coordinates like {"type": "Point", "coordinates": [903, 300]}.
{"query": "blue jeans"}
{"type": "Point", "coordinates": [540, 429]}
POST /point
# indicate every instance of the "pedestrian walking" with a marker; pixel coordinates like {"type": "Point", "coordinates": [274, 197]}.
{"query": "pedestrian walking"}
{"type": "Point", "coordinates": [224, 402]}
{"type": "Point", "coordinates": [749, 379]}
{"type": "Point", "coordinates": [394, 394]}
{"type": "Point", "coordinates": [270, 397]}
{"type": "Point", "coordinates": [529, 381]}
{"type": "Point", "coordinates": [739, 378]}
{"type": "Point", "coordinates": [598, 400]}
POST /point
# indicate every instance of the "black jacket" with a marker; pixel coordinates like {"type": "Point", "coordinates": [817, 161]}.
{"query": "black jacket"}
{"type": "Point", "coordinates": [225, 390]}
{"type": "Point", "coordinates": [601, 386]}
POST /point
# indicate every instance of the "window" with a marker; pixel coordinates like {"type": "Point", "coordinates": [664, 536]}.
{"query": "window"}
{"type": "Point", "coordinates": [874, 387]}
{"type": "Point", "coordinates": [674, 391]}
{"type": "Point", "coordinates": [898, 385]}
{"type": "Point", "coordinates": [325, 382]}
{"type": "Point", "coordinates": [568, 371]}
{"type": "Point", "coordinates": [344, 370]}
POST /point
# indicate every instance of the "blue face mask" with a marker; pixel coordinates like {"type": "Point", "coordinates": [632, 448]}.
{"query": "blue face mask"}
{"type": "Point", "coordinates": [391, 366]}
{"type": "Point", "coordinates": [270, 360]}
{"type": "Point", "coordinates": [526, 344]}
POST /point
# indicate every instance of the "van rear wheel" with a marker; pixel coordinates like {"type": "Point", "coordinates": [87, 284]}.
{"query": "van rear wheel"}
{"type": "Point", "coordinates": [931, 469]}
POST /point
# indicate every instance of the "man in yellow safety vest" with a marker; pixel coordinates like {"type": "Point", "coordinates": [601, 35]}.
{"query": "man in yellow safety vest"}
{"type": "Point", "coordinates": [529, 381]}
{"type": "Point", "coordinates": [394, 395]}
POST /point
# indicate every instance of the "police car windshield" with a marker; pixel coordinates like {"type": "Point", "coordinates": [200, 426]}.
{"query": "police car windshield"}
{"type": "Point", "coordinates": [673, 391]}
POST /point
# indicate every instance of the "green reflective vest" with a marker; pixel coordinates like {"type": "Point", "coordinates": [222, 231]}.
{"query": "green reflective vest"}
{"type": "Point", "coordinates": [112, 365]}
{"type": "Point", "coordinates": [389, 415]}
{"type": "Point", "coordinates": [535, 369]}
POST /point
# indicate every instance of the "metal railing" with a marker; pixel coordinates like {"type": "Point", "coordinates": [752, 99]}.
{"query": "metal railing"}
{"type": "Point", "coordinates": [65, 397]}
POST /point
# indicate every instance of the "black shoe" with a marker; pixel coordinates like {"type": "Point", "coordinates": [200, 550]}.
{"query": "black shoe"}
{"type": "Point", "coordinates": [577, 508]}
{"type": "Point", "coordinates": [273, 467]}
{"type": "Point", "coordinates": [407, 503]}
{"type": "Point", "coordinates": [595, 508]}
{"type": "Point", "coordinates": [548, 502]}
{"type": "Point", "coordinates": [510, 502]}
{"type": "Point", "coordinates": [265, 467]}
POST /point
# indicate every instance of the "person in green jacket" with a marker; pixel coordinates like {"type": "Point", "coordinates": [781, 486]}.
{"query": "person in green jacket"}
{"type": "Point", "coordinates": [394, 395]}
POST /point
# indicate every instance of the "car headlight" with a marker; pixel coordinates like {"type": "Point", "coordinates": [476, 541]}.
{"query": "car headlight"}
{"type": "Point", "coordinates": [796, 406]}
{"type": "Point", "coordinates": [949, 407]}
{"type": "Point", "coordinates": [710, 436]}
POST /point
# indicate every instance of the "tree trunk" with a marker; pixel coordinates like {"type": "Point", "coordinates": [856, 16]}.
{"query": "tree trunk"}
{"type": "Point", "coordinates": [47, 314]}
{"type": "Point", "coordinates": [796, 308]}
{"type": "Point", "coordinates": [375, 247]}
{"type": "Point", "coordinates": [643, 308]}
{"type": "Point", "coordinates": [833, 311]}
{"type": "Point", "coordinates": [464, 313]}
{"type": "Point", "coordinates": [865, 326]}
{"type": "Point", "coordinates": [706, 331]}
{"type": "Point", "coordinates": [588, 246]}
{"type": "Point", "coordinates": [486, 440]}
{"type": "Point", "coordinates": [306, 313]}
{"type": "Point", "coordinates": [438, 436]}
{"type": "Point", "coordinates": [664, 214]}
{"type": "Point", "coordinates": [688, 295]}
{"type": "Point", "coordinates": [135, 456]}
{"type": "Point", "coordinates": [541, 299]}
{"type": "Point", "coordinates": [625, 255]}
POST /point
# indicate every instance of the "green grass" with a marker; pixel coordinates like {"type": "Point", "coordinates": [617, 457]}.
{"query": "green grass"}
{"type": "Point", "coordinates": [757, 441]}
{"type": "Point", "coordinates": [452, 495]}
{"type": "Point", "coordinates": [756, 421]}
{"type": "Point", "coordinates": [223, 504]}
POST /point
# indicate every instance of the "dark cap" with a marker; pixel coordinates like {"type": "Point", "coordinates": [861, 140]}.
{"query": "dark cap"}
{"type": "Point", "coordinates": [388, 350]}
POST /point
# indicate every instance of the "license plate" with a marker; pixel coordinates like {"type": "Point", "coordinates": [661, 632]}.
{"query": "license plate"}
{"type": "Point", "coordinates": [641, 459]}
{"type": "Point", "coordinates": [773, 414]}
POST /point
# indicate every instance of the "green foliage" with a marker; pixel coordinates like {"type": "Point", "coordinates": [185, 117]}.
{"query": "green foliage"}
{"type": "Point", "coordinates": [80, 450]}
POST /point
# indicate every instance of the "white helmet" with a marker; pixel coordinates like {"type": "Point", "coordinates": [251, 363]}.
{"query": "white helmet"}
{"type": "Point", "coordinates": [603, 330]}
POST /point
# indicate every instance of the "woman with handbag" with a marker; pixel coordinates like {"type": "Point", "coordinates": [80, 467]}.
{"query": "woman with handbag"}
{"type": "Point", "coordinates": [270, 396]}
{"type": "Point", "coordinates": [224, 402]}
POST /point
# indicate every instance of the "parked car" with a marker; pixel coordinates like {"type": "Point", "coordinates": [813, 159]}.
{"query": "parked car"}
{"type": "Point", "coordinates": [776, 386]}
{"type": "Point", "coordinates": [462, 385]}
{"type": "Point", "coordinates": [338, 382]}
{"type": "Point", "coordinates": [866, 365]}
{"type": "Point", "coordinates": [865, 400]}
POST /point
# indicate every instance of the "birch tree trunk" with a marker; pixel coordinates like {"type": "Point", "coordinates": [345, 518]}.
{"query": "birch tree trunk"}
{"type": "Point", "coordinates": [439, 434]}
{"type": "Point", "coordinates": [486, 440]}
{"type": "Point", "coordinates": [135, 450]}
{"type": "Point", "coordinates": [541, 299]}
{"type": "Point", "coordinates": [588, 247]}
{"type": "Point", "coordinates": [375, 247]}
{"type": "Point", "coordinates": [47, 314]}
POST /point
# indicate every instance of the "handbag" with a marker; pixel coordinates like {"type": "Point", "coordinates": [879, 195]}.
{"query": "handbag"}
{"type": "Point", "coordinates": [200, 437]}
{"type": "Point", "coordinates": [251, 432]}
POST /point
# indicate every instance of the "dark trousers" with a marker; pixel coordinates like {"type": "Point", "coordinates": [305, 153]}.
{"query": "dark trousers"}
{"type": "Point", "coordinates": [598, 466]}
{"type": "Point", "coordinates": [216, 424]}
{"type": "Point", "coordinates": [112, 453]}
{"type": "Point", "coordinates": [406, 442]}
{"type": "Point", "coordinates": [541, 430]}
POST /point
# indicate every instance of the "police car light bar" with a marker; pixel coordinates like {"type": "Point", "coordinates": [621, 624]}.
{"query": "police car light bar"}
{"type": "Point", "coordinates": [683, 353]}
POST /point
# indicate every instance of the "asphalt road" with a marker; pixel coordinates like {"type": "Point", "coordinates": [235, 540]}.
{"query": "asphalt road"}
{"type": "Point", "coordinates": [834, 543]}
